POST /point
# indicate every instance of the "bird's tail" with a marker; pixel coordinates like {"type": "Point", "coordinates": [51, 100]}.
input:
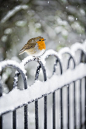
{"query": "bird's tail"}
{"type": "Point", "coordinates": [21, 52]}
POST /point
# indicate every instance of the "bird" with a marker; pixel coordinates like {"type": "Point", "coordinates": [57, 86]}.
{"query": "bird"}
{"type": "Point", "coordinates": [34, 47]}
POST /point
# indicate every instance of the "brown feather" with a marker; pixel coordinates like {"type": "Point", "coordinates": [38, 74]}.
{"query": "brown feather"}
{"type": "Point", "coordinates": [30, 44]}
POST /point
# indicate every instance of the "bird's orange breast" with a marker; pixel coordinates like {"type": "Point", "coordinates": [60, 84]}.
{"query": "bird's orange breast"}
{"type": "Point", "coordinates": [41, 45]}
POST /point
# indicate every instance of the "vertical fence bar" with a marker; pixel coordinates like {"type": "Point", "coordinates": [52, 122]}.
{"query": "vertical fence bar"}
{"type": "Point", "coordinates": [61, 105]}
{"type": "Point", "coordinates": [85, 101]}
{"type": "Point", "coordinates": [45, 97]}
{"type": "Point", "coordinates": [68, 108]}
{"type": "Point", "coordinates": [26, 117]}
{"type": "Point", "coordinates": [14, 119]}
{"type": "Point", "coordinates": [74, 107]}
{"type": "Point", "coordinates": [36, 115]}
{"type": "Point", "coordinates": [80, 104]}
{"type": "Point", "coordinates": [0, 122]}
{"type": "Point", "coordinates": [0, 96]}
{"type": "Point", "coordinates": [54, 110]}
{"type": "Point", "coordinates": [45, 112]}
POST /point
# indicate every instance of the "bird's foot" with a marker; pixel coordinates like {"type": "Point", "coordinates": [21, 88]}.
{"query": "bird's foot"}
{"type": "Point", "coordinates": [36, 58]}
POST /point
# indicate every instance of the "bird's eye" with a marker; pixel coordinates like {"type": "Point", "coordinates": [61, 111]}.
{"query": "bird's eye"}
{"type": "Point", "coordinates": [39, 40]}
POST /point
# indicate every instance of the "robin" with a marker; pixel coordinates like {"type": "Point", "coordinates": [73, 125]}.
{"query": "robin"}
{"type": "Point", "coordinates": [34, 47]}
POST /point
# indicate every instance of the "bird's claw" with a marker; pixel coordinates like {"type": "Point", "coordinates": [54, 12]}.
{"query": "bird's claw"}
{"type": "Point", "coordinates": [36, 58]}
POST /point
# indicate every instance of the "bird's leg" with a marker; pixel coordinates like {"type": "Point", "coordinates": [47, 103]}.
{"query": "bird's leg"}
{"type": "Point", "coordinates": [34, 57]}
{"type": "Point", "coordinates": [38, 58]}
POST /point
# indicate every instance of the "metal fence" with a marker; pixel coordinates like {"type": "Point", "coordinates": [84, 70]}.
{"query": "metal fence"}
{"type": "Point", "coordinates": [71, 112]}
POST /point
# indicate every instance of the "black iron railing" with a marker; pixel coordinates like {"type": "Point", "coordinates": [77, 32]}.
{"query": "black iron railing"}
{"type": "Point", "coordinates": [77, 73]}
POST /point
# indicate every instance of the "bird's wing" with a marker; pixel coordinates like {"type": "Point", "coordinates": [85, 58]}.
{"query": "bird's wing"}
{"type": "Point", "coordinates": [28, 46]}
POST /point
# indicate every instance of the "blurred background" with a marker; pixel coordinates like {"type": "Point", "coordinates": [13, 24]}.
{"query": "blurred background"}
{"type": "Point", "coordinates": [60, 22]}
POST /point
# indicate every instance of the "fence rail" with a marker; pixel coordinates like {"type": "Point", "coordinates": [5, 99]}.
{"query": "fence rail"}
{"type": "Point", "coordinates": [76, 76]}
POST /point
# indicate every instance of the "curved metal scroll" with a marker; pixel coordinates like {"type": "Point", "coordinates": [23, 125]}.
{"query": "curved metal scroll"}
{"type": "Point", "coordinates": [15, 65]}
{"type": "Point", "coordinates": [68, 51]}
{"type": "Point", "coordinates": [44, 57]}
{"type": "Point", "coordinates": [25, 61]}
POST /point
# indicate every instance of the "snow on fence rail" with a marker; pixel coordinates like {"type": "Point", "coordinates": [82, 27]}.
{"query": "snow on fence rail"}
{"type": "Point", "coordinates": [40, 89]}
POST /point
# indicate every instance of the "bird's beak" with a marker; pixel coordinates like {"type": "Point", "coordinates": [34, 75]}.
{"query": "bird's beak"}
{"type": "Point", "coordinates": [44, 39]}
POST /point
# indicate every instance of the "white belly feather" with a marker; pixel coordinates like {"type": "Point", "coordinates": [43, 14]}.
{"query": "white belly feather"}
{"type": "Point", "coordinates": [35, 51]}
